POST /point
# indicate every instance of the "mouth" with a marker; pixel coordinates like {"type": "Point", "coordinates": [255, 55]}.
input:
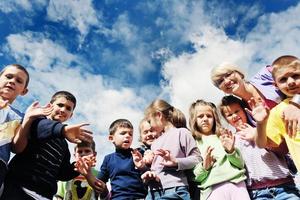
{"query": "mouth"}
{"type": "Point", "coordinates": [9, 87]}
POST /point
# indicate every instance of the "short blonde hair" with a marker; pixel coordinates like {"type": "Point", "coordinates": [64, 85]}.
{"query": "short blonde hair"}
{"type": "Point", "coordinates": [193, 118]}
{"type": "Point", "coordinates": [219, 71]}
{"type": "Point", "coordinates": [283, 62]}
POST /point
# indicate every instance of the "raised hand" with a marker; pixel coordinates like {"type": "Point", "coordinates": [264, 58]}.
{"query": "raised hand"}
{"type": "Point", "coordinates": [84, 164]}
{"type": "Point", "coordinates": [208, 159]}
{"type": "Point", "coordinates": [258, 110]}
{"type": "Point", "coordinates": [3, 103]}
{"type": "Point", "coordinates": [148, 157]}
{"type": "Point", "coordinates": [227, 140]}
{"type": "Point", "coordinates": [149, 176]}
{"type": "Point", "coordinates": [291, 118]}
{"type": "Point", "coordinates": [137, 159]}
{"type": "Point", "coordinates": [247, 132]}
{"type": "Point", "coordinates": [100, 187]}
{"type": "Point", "coordinates": [168, 159]}
{"type": "Point", "coordinates": [76, 133]}
{"type": "Point", "coordinates": [35, 110]}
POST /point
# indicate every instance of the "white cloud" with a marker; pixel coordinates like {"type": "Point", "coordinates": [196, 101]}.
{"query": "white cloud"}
{"type": "Point", "coordinates": [78, 14]}
{"type": "Point", "coordinates": [99, 101]}
{"type": "Point", "coordinates": [9, 6]}
{"type": "Point", "coordinates": [188, 75]}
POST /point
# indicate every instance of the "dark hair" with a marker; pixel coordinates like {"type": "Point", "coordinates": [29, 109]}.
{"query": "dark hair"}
{"type": "Point", "coordinates": [91, 145]}
{"type": "Point", "coordinates": [229, 100]}
{"type": "Point", "coordinates": [20, 67]}
{"type": "Point", "coordinates": [119, 123]}
{"type": "Point", "coordinates": [64, 94]}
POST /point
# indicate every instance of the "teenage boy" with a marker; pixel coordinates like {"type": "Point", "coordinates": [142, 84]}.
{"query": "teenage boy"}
{"type": "Point", "coordinates": [33, 173]}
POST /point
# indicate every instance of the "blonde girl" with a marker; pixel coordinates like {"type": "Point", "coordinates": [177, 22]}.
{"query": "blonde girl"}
{"type": "Point", "coordinates": [175, 151]}
{"type": "Point", "coordinates": [221, 174]}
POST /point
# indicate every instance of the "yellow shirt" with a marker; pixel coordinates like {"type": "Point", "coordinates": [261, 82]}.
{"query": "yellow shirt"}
{"type": "Point", "coordinates": [277, 133]}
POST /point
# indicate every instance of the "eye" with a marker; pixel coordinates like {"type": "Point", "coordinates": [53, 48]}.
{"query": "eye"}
{"type": "Point", "coordinates": [69, 108]}
{"type": "Point", "coordinates": [296, 76]}
{"type": "Point", "coordinates": [282, 80]}
{"type": "Point", "coordinates": [9, 76]}
{"type": "Point", "coordinates": [19, 80]}
{"type": "Point", "coordinates": [60, 105]}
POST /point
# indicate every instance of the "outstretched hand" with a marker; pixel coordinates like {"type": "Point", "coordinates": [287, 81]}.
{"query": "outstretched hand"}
{"type": "Point", "coordinates": [247, 132]}
{"type": "Point", "coordinates": [258, 110]}
{"type": "Point", "coordinates": [208, 159]}
{"type": "Point", "coordinates": [77, 134]}
{"type": "Point", "coordinates": [137, 159]}
{"type": "Point", "coordinates": [149, 176]}
{"type": "Point", "coordinates": [35, 110]}
{"type": "Point", "coordinates": [168, 159]}
{"type": "Point", "coordinates": [3, 103]}
{"type": "Point", "coordinates": [84, 164]}
{"type": "Point", "coordinates": [227, 140]}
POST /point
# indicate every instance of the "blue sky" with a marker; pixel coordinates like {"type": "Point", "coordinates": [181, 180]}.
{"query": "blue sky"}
{"type": "Point", "coordinates": [117, 56]}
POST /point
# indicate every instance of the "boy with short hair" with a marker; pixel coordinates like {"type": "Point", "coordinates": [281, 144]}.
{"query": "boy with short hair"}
{"type": "Point", "coordinates": [78, 188]}
{"type": "Point", "coordinates": [14, 80]}
{"type": "Point", "coordinates": [118, 167]}
{"type": "Point", "coordinates": [286, 74]}
{"type": "Point", "coordinates": [34, 172]}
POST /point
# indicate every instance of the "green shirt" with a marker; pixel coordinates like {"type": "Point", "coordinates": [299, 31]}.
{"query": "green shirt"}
{"type": "Point", "coordinates": [228, 167]}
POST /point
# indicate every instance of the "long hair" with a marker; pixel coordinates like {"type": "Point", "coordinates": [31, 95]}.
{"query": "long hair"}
{"type": "Point", "coordinates": [195, 129]}
{"type": "Point", "coordinates": [171, 114]}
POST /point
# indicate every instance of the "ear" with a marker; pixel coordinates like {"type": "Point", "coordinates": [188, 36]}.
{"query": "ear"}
{"type": "Point", "coordinates": [111, 138]}
{"type": "Point", "coordinates": [24, 92]}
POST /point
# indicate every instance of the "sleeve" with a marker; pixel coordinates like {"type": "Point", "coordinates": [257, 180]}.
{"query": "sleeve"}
{"type": "Point", "coordinates": [44, 128]}
{"type": "Point", "coordinates": [275, 127]}
{"type": "Point", "coordinates": [61, 189]}
{"type": "Point", "coordinates": [67, 171]}
{"type": "Point", "coordinates": [236, 159]}
{"type": "Point", "coordinates": [200, 173]}
{"type": "Point", "coordinates": [103, 174]}
{"type": "Point", "coordinates": [190, 149]}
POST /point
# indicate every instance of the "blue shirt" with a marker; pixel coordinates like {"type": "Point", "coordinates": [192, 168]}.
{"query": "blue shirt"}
{"type": "Point", "coordinates": [125, 179]}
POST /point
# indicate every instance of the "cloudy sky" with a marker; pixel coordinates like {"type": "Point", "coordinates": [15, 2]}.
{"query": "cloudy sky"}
{"type": "Point", "coordinates": [117, 56]}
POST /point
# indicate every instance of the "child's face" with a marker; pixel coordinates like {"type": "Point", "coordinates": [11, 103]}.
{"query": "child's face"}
{"type": "Point", "coordinates": [156, 123]}
{"type": "Point", "coordinates": [62, 109]}
{"type": "Point", "coordinates": [234, 115]}
{"type": "Point", "coordinates": [147, 134]}
{"type": "Point", "coordinates": [287, 80]}
{"type": "Point", "coordinates": [230, 82]}
{"type": "Point", "coordinates": [83, 151]}
{"type": "Point", "coordinates": [205, 119]}
{"type": "Point", "coordinates": [122, 138]}
{"type": "Point", "coordinates": [12, 83]}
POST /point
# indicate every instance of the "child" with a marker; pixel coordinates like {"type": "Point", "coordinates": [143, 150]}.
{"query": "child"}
{"type": "Point", "coordinates": [286, 74]}
{"type": "Point", "coordinates": [118, 167]}
{"type": "Point", "coordinates": [78, 188]}
{"type": "Point", "coordinates": [221, 174]}
{"type": "Point", "coordinates": [34, 172]}
{"type": "Point", "coordinates": [175, 151]}
{"type": "Point", "coordinates": [147, 136]}
{"type": "Point", "coordinates": [14, 80]}
{"type": "Point", "coordinates": [266, 171]}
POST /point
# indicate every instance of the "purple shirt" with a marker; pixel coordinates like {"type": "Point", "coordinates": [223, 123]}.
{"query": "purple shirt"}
{"type": "Point", "coordinates": [182, 146]}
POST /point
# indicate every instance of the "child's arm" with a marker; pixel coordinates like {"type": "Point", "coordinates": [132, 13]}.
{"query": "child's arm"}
{"type": "Point", "coordinates": [291, 116]}
{"type": "Point", "coordinates": [233, 154]}
{"type": "Point", "coordinates": [260, 113]}
{"type": "Point", "coordinates": [22, 133]}
{"type": "Point", "coordinates": [203, 168]}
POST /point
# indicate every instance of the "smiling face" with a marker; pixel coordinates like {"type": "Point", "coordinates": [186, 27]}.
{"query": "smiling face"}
{"type": "Point", "coordinates": [287, 79]}
{"type": "Point", "coordinates": [230, 82]}
{"type": "Point", "coordinates": [204, 119]}
{"type": "Point", "coordinates": [12, 83]}
{"type": "Point", "coordinates": [62, 109]}
{"type": "Point", "coordinates": [234, 114]}
{"type": "Point", "coordinates": [122, 138]}
{"type": "Point", "coordinates": [147, 134]}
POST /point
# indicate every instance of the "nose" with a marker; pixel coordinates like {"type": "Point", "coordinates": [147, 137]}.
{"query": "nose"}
{"type": "Point", "coordinates": [290, 81]}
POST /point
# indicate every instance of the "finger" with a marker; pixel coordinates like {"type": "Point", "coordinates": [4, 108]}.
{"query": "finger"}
{"type": "Point", "coordinates": [35, 104]}
{"type": "Point", "coordinates": [294, 130]}
{"type": "Point", "coordinates": [248, 111]}
{"type": "Point", "coordinates": [83, 124]}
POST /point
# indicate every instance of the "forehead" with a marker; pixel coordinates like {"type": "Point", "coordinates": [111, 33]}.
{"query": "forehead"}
{"type": "Point", "coordinates": [203, 109]}
{"type": "Point", "coordinates": [231, 107]}
{"type": "Point", "coordinates": [83, 148]}
{"type": "Point", "coordinates": [14, 70]}
{"type": "Point", "coordinates": [287, 71]}
{"type": "Point", "coordinates": [123, 129]}
{"type": "Point", "coordinates": [145, 125]}
{"type": "Point", "coordinates": [64, 101]}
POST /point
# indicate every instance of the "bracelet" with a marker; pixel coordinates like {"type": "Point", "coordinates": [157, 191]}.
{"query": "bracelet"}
{"type": "Point", "coordinates": [295, 100]}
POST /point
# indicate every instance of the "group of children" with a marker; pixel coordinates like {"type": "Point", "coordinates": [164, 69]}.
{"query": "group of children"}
{"type": "Point", "coordinates": [204, 161]}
